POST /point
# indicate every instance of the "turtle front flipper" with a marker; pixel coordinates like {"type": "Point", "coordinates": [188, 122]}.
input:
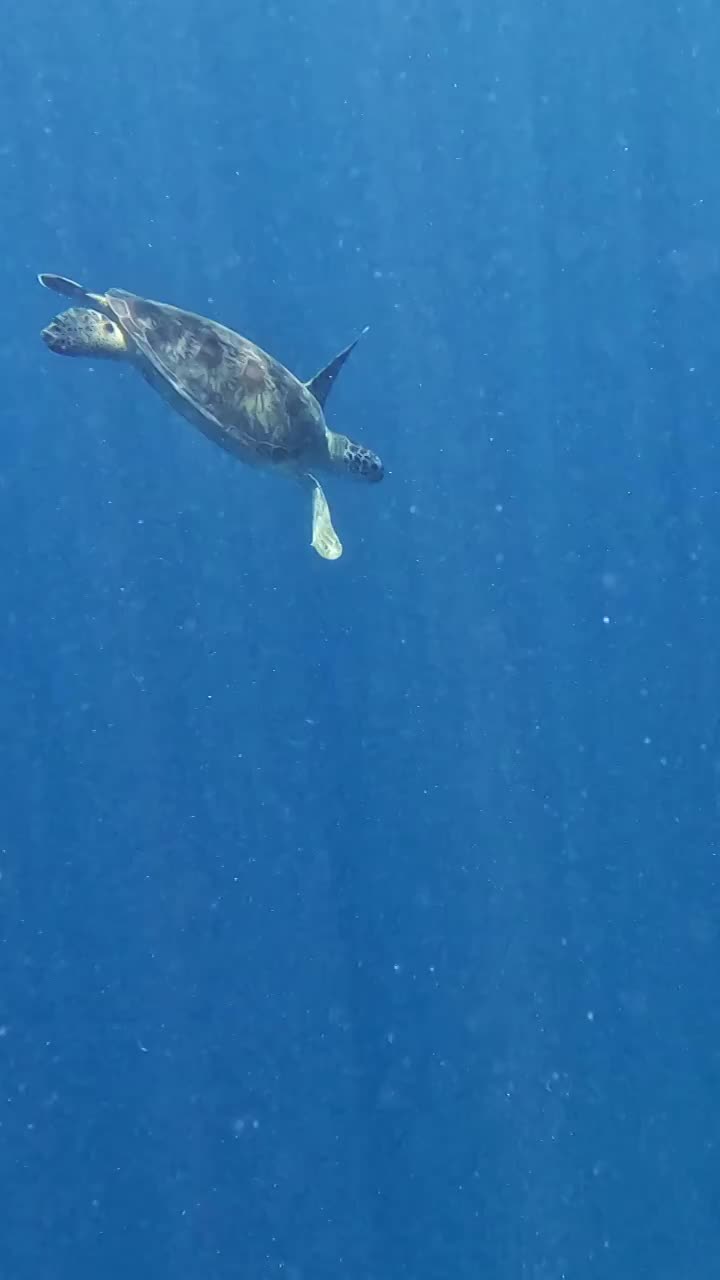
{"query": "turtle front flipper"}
{"type": "Point", "coordinates": [321, 385]}
{"type": "Point", "coordinates": [324, 538]}
{"type": "Point", "coordinates": [69, 289]}
{"type": "Point", "coordinates": [83, 332]}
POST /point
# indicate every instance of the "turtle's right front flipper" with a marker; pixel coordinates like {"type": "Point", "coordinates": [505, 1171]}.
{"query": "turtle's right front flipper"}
{"type": "Point", "coordinates": [69, 289]}
{"type": "Point", "coordinates": [324, 538]}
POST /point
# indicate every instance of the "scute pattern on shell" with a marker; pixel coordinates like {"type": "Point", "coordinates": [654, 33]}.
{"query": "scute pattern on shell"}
{"type": "Point", "coordinates": [251, 396]}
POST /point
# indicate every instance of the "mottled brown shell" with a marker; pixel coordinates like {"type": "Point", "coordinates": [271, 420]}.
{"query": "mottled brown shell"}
{"type": "Point", "coordinates": [239, 394]}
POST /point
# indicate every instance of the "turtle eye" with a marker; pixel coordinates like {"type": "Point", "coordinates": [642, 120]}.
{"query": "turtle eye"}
{"type": "Point", "coordinates": [108, 327]}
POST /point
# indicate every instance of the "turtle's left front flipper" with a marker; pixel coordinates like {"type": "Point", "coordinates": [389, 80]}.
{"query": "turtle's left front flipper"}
{"type": "Point", "coordinates": [69, 289]}
{"type": "Point", "coordinates": [324, 538]}
{"type": "Point", "coordinates": [321, 385]}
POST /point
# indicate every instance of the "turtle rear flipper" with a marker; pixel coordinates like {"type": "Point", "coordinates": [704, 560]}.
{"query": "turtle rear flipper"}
{"type": "Point", "coordinates": [324, 538]}
{"type": "Point", "coordinates": [82, 332]}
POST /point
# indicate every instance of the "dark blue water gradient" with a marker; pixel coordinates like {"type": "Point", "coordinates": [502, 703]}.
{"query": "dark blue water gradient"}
{"type": "Point", "coordinates": [359, 920]}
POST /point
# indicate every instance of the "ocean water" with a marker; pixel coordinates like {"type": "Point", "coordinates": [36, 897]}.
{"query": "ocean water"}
{"type": "Point", "coordinates": [359, 921]}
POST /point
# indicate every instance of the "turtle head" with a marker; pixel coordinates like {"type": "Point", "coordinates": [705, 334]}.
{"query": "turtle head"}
{"type": "Point", "coordinates": [83, 332]}
{"type": "Point", "coordinates": [354, 459]}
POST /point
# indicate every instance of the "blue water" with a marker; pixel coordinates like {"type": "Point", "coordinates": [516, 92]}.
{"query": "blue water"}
{"type": "Point", "coordinates": [360, 920]}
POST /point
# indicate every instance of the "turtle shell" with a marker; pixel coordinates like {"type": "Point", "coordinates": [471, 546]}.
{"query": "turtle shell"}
{"type": "Point", "coordinates": [235, 392]}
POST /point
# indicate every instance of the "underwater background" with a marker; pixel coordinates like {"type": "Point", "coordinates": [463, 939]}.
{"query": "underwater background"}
{"type": "Point", "coordinates": [360, 920]}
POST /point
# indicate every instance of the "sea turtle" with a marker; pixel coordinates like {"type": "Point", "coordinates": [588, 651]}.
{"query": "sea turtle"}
{"type": "Point", "coordinates": [237, 395]}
